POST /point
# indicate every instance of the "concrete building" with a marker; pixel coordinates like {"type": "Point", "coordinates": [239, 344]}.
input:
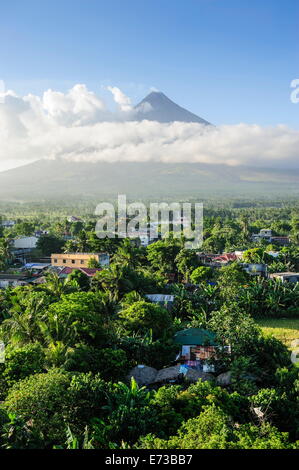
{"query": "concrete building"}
{"type": "Point", "coordinates": [284, 241]}
{"type": "Point", "coordinates": [72, 218]}
{"type": "Point", "coordinates": [267, 235]}
{"type": "Point", "coordinates": [22, 247]}
{"type": "Point", "coordinates": [161, 299]}
{"type": "Point", "coordinates": [13, 280]}
{"type": "Point", "coordinates": [255, 269]}
{"type": "Point", "coordinates": [8, 223]}
{"type": "Point", "coordinates": [286, 277]}
{"type": "Point", "coordinates": [25, 243]}
{"type": "Point", "coordinates": [79, 260]}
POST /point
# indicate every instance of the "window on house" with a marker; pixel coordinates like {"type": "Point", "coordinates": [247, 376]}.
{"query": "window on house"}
{"type": "Point", "coordinates": [82, 261]}
{"type": "Point", "coordinates": [64, 261]}
{"type": "Point", "coordinates": [55, 260]}
{"type": "Point", "coordinates": [73, 261]}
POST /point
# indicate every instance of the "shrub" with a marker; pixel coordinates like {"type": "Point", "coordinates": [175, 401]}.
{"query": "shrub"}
{"type": "Point", "coordinates": [142, 316]}
{"type": "Point", "coordinates": [111, 364]}
{"type": "Point", "coordinates": [22, 362]}
{"type": "Point", "coordinates": [202, 273]}
{"type": "Point", "coordinates": [41, 399]}
{"type": "Point", "coordinates": [50, 402]}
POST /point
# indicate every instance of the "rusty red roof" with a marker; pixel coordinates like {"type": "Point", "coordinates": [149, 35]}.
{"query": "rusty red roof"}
{"type": "Point", "coordinates": [226, 257]}
{"type": "Point", "coordinates": [90, 272]}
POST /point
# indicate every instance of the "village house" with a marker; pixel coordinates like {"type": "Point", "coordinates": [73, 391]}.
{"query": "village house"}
{"type": "Point", "coordinates": [213, 260]}
{"type": "Point", "coordinates": [196, 360]}
{"type": "Point", "coordinates": [267, 235]}
{"type": "Point", "coordinates": [25, 243]}
{"type": "Point", "coordinates": [255, 269]}
{"type": "Point", "coordinates": [284, 241]}
{"type": "Point", "coordinates": [8, 223]}
{"type": "Point", "coordinates": [36, 269]}
{"type": "Point", "coordinates": [218, 261]}
{"type": "Point", "coordinates": [198, 348]}
{"type": "Point", "coordinates": [274, 254]}
{"type": "Point", "coordinates": [286, 277]}
{"type": "Point", "coordinates": [161, 299]}
{"type": "Point", "coordinates": [225, 259]}
{"type": "Point", "coordinates": [89, 272]}
{"type": "Point", "coordinates": [72, 219]}
{"type": "Point", "coordinates": [264, 234]}
{"type": "Point", "coordinates": [79, 260]}
{"type": "Point", "coordinates": [142, 235]}
{"type": "Point", "coordinates": [40, 233]}
{"type": "Point", "coordinates": [22, 247]}
{"type": "Point", "coordinates": [13, 280]}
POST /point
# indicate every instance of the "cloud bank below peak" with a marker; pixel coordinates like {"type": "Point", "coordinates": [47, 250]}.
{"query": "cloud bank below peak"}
{"type": "Point", "coordinates": [77, 126]}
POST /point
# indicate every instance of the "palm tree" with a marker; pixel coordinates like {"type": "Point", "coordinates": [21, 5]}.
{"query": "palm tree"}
{"type": "Point", "coordinates": [22, 325]}
{"type": "Point", "coordinates": [57, 336]}
{"type": "Point", "coordinates": [5, 252]}
{"type": "Point", "coordinates": [127, 255]}
{"type": "Point", "coordinates": [57, 286]}
{"type": "Point", "coordinates": [113, 280]}
{"type": "Point", "coordinates": [82, 243]}
{"type": "Point", "coordinates": [70, 246]}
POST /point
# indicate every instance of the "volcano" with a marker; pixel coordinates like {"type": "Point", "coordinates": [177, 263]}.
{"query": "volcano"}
{"type": "Point", "coordinates": [158, 107]}
{"type": "Point", "coordinates": [66, 179]}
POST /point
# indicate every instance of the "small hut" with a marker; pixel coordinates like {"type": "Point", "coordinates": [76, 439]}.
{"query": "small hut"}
{"type": "Point", "coordinates": [198, 348]}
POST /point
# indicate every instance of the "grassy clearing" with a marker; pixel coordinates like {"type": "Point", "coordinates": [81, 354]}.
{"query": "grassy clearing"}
{"type": "Point", "coordinates": [284, 329]}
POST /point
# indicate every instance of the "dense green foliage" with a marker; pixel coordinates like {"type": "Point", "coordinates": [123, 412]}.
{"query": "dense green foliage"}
{"type": "Point", "coordinates": [70, 343]}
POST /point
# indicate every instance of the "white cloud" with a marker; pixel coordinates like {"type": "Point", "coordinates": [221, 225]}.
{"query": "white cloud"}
{"type": "Point", "coordinates": [121, 99]}
{"type": "Point", "coordinates": [77, 107]}
{"type": "Point", "coordinates": [77, 126]}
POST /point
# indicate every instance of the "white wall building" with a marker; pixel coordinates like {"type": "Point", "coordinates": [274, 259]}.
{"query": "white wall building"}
{"type": "Point", "coordinates": [25, 243]}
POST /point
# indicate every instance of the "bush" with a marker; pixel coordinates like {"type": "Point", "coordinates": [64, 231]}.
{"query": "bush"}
{"type": "Point", "coordinates": [155, 354]}
{"type": "Point", "coordinates": [142, 316]}
{"type": "Point", "coordinates": [77, 318]}
{"type": "Point", "coordinates": [269, 354]}
{"type": "Point", "coordinates": [235, 327]}
{"type": "Point", "coordinates": [279, 409]}
{"type": "Point", "coordinates": [213, 429]}
{"type": "Point", "coordinates": [128, 415]}
{"type": "Point", "coordinates": [202, 273]}
{"type": "Point", "coordinates": [50, 402]}
{"type": "Point", "coordinates": [22, 362]}
{"type": "Point", "coordinates": [87, 396]}
{"type": "Point", "coordinates": [41, 399]}
{"type": "Point", "coordinates": [111, 364]}
{"type": "Point", "coordinates": [16, 434]}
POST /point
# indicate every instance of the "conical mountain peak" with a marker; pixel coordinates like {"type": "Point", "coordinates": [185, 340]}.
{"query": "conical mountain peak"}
{"type": "Point", "coordinates": [158, 107]}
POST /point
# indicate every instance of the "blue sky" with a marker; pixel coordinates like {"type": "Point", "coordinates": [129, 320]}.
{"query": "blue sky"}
{"type": "Point", "coordinates": [229, 61]}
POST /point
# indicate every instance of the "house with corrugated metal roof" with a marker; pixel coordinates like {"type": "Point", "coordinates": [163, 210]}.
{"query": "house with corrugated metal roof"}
{"type": "Point", "coordinates": [198, 348]}
{"type": "Point", "coordinates": [89, 272]}
{"type": "Point", "coordinates": [161, 299]}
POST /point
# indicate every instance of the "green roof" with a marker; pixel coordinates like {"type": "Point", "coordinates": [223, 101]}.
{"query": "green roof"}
{"type": "Point", "coordinates": [196, 336]}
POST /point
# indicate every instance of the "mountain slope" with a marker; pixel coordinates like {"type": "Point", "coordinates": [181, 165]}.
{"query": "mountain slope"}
{"type": "Point", "coordinates": [54, 179]}
{"type": "Point", "coordinates": [158, 107]}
